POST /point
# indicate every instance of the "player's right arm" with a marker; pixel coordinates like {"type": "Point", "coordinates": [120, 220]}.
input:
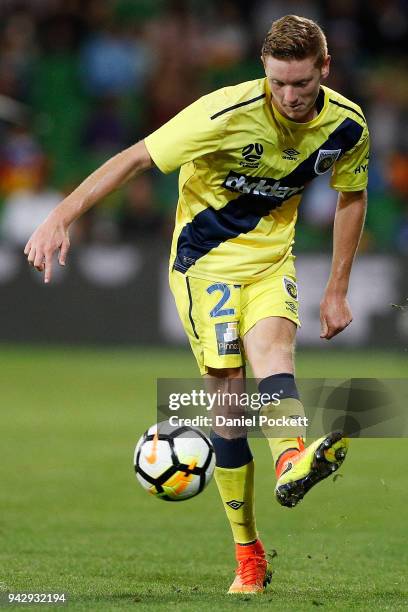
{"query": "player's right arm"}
{"type": "Point", "coordinates": [193, 132]}
{"type": "Point", "coordinates": [53, 233]}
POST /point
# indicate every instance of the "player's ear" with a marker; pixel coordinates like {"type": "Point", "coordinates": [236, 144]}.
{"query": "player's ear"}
{"type": "Point", "coordinates": [325, 70]}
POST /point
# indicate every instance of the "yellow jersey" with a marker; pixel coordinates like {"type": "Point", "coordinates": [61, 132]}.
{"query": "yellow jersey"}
{"type": "Point", "coordinates": [244, 168]}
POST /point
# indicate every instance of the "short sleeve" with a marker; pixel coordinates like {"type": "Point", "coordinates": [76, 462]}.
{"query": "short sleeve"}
{"type": "Point", "coordinates": [190, 134]}
{"type": "Point", "coordinates": [350, 172]}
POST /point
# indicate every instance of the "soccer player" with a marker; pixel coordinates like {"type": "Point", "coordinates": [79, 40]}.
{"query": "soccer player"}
{"type": "Point", "coordinates": [246, 153]}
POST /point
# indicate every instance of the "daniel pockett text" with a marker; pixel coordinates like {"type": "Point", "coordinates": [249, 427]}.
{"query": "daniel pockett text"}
{"type": "Point", "coordinates": [254, 420]}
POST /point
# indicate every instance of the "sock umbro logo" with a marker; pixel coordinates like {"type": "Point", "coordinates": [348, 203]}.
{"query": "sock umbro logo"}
{"type": "Point", "coordinates": [234, 504]}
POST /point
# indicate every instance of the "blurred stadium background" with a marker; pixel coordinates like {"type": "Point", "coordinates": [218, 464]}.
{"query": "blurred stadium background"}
{"type": "Point", "coordinates": [81, 80]}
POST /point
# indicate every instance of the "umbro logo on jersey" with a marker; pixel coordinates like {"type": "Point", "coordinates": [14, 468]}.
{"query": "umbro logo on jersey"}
{"type": "Point", "coordinates": [251, 153]}
{"type": "Point", "coordinates": [290, 154]}
{"type": "Point", "coordinates": [260, 186]}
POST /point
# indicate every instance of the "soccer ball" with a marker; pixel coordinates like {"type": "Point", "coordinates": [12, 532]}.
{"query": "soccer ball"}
{"type": "Point", "coordinates": [174, 463]}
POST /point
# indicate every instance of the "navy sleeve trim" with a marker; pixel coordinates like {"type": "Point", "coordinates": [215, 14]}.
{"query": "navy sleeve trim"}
{"type": "Point", "coordinates": [348, 108]}
{"type": "Point", "coordinates": [230, 108]}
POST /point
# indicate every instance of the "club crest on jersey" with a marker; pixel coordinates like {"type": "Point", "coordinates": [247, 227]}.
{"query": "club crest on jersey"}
{"type": "Point", "coordinates": [325, 160]}
{"type": "Point", "coordinates": [291, 288]}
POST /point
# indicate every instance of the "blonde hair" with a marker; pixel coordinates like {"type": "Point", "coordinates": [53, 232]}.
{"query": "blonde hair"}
{"type": "Point", "coordinates": [293, 37]}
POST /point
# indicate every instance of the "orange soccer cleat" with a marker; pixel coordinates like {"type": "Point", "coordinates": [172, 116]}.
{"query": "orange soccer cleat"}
{"type": "Point", "coordinates": [254, 572]}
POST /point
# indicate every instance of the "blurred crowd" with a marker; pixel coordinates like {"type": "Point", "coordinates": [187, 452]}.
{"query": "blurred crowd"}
{"type": "Point", "coordinates": [82, 79]}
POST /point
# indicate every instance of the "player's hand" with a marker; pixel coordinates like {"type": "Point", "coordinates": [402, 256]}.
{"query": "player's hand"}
{"type": "Point", "coordinates": [335, 315]}
{"type": "Point", "coordinates": [47, 238]}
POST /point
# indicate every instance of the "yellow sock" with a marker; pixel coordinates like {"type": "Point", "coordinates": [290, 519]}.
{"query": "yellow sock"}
{"type": "Point", "coordinates": [236, 487]}
{"type": "Point", "coordinates": [280, 437]}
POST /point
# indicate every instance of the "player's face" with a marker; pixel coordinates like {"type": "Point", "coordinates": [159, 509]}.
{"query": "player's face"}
{"type": "Point", "coordinates": [295, 85]}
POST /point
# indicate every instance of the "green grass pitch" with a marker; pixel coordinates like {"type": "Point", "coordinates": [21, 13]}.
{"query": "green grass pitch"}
{"type": "Point", "coordinates": [74, 519]}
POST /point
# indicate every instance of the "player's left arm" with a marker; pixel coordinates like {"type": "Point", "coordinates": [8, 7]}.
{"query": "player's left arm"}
{"type": "Point", "coordinates": [335, 312]}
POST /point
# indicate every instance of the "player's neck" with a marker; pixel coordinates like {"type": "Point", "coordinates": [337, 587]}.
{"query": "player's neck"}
{"type": "Point", "coordinates": [309, 116]}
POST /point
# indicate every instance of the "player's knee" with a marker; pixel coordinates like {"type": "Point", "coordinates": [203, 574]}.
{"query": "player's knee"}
{"type": "Point", "coordinates": [271, 358]}
{"type": "Point", "coordinates": [266, 347]}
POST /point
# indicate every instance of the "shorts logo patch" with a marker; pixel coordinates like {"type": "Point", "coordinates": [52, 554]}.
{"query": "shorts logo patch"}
{"type": "Point", "coordinates": [326, 159]}
{"type": "Point", "coordinates": [291, 288]}
{"type": "Point", "coordinates": [227, 338]}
